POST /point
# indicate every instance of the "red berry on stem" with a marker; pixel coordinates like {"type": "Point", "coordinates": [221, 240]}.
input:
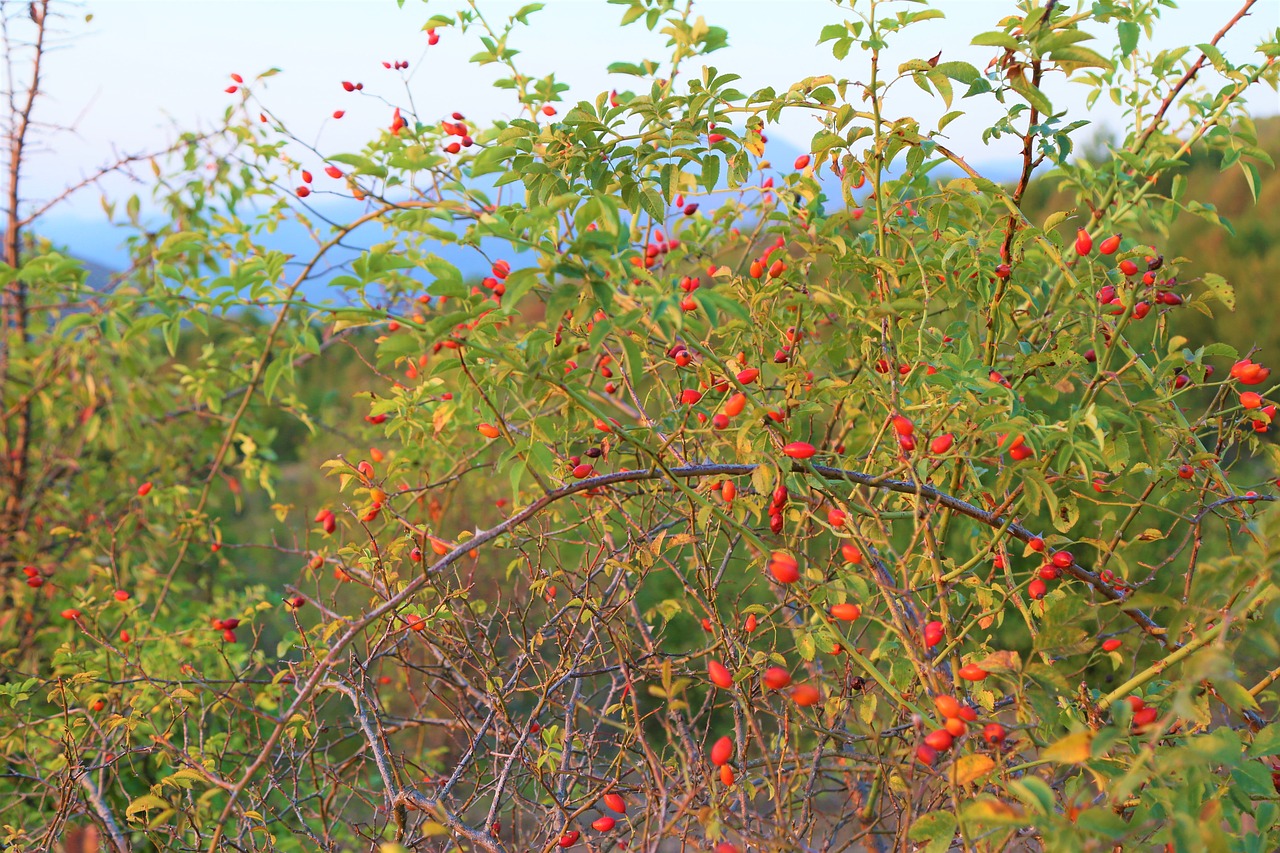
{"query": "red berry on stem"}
{"type": "Point", "coordinates": [939, 740]}
{"type": "Point", "coordinates": [947, 706]}
{"type": "Point", "coordinates": [845, 612]}
{"type": "Point", "coordinates": [722, 751]}
{"type": "Point", "coordinates": [776, 678]}
{"type": "Point", "coordinates": [799, 450]}
{"type": "Point", "coordinates": [784, 568]}
{"type": "Point", "coordinates": [1084, 243]}
{"type": "Point", "coordinates": [933, 634]}
{"type": "Point", "coordinates": [719, 675]}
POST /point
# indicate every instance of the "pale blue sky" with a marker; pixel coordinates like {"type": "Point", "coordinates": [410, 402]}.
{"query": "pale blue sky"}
{"type": "Point", "coordinates": [140, 68]}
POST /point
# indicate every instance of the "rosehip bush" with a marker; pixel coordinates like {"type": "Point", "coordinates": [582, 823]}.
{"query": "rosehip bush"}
{"type": "Point", "coordinates": [741, 504]}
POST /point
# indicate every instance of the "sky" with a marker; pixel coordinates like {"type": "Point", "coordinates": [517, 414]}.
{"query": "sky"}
{"type": "Point", "coordinates": [133, 74]}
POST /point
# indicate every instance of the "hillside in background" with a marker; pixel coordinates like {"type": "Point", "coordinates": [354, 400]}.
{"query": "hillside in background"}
{"type": "Point", "coordinates": [1249, 258]}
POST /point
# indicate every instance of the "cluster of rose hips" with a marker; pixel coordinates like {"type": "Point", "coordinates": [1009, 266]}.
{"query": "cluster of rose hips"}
{"type": "Point", "coordinates": [581, 469]}
{"type": "Point", "coordinates": [457, 128]}
{"type": "Point", "coordinates": [1109, 296]}
{"type": "Point", "coordinates": [605, 823]}
{"type": "Point", "coordinates": [775, 678]}
{"type": "Point", "coordinates": [305, 189]}
{"type": "Point", "coordinates": [956, 717]}
{"type": "Point", "coordinates": [654, 250]}
{"type": "Point", "coordinates": [227, 627]}
{"type": "Point", "coordinates": [1050, 570]}
{"type": "Point", "coordinates": [762, 265]}
{"type": "Point", "coordinates": [688, 209]}
{"type": "Point", "coordinates": [883, 366]}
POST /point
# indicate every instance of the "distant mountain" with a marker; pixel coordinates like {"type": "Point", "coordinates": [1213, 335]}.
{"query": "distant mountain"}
{"type": "Point", "coordinates": [102, 244]}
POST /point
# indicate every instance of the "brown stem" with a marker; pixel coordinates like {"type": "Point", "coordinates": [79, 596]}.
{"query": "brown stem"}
{"type": "Point", "coordinates": [14, 314]}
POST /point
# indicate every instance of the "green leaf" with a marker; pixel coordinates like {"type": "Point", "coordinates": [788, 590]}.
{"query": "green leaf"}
{"type": "Point", "coordinates": [1215, 56]}
{"type": "Point", "coordinates": [995, 39]}
{"type": "Point", "coordinates": [275, 370]}
{"type": "Point", "coordinates": [710, 172]}
{"type": "Point", "coordinates": [832, 31]}
{"type": "Point", "coordinates": [1251, 178]}
{"type": "Point", "coordinates": [652, 204]}
{"type": "Point", "coordinates": [937, 828]}
{"type": "Point", "coordinates": [1055, 219]}
{"type": "Point", "coordinates": [146, 803]}
{"type": "Point", "coordinates": [635, 361]}
{"type": "Point", "coordinates": [172, 331]}
{"type": "Point", "coordinates": [1128, 33]}
{"type": "Point", "coordinates": [1032, 94]}
{"type": "Point", "coordinates": [948, 118]}
{"type": "Point", "coordinates": [823, 141]}
{"type": "Point", "coordinates": [523, 13]}
{"type": "Point", "coordinates": [1266, 742]}
{"type": "Point", "coordinates": [1217, 287]}
{"type": "Point", "coordinates": [1034, 792]}
{"type": "Point", "coordinates": [670, 176]}
{"type": "Point", "coordinates": [1236, 697]}
{"type": "Point", "coordinates": [805, 646]}
{"type": "Point", "coordinates": [491, 159]}
{"type": "Point", "coordinates": [1102, 821]}
{"type": "Point", "coordinates": [961, 72]}
{"type": "Point", "coordinates": [1074, 56]}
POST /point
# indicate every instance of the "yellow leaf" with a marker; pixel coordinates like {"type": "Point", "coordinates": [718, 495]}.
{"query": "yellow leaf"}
{"type": "Point", "coordinates": [970, 768]}
{"type": "Point", "coordinates": [431, 828]}
{"type": "Point", "coordinates": [1001, 662]}
{"type": "Point", "coordinates": [988, 811]}
{"type": "Point", "coordinates": [440, 418]}
{"type": "Point", "coordinates": [145, 803]}
{"type": "Point", "coordinates": [183, 778]}
{"type": "Point", "coordinates": [1072, 749]}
